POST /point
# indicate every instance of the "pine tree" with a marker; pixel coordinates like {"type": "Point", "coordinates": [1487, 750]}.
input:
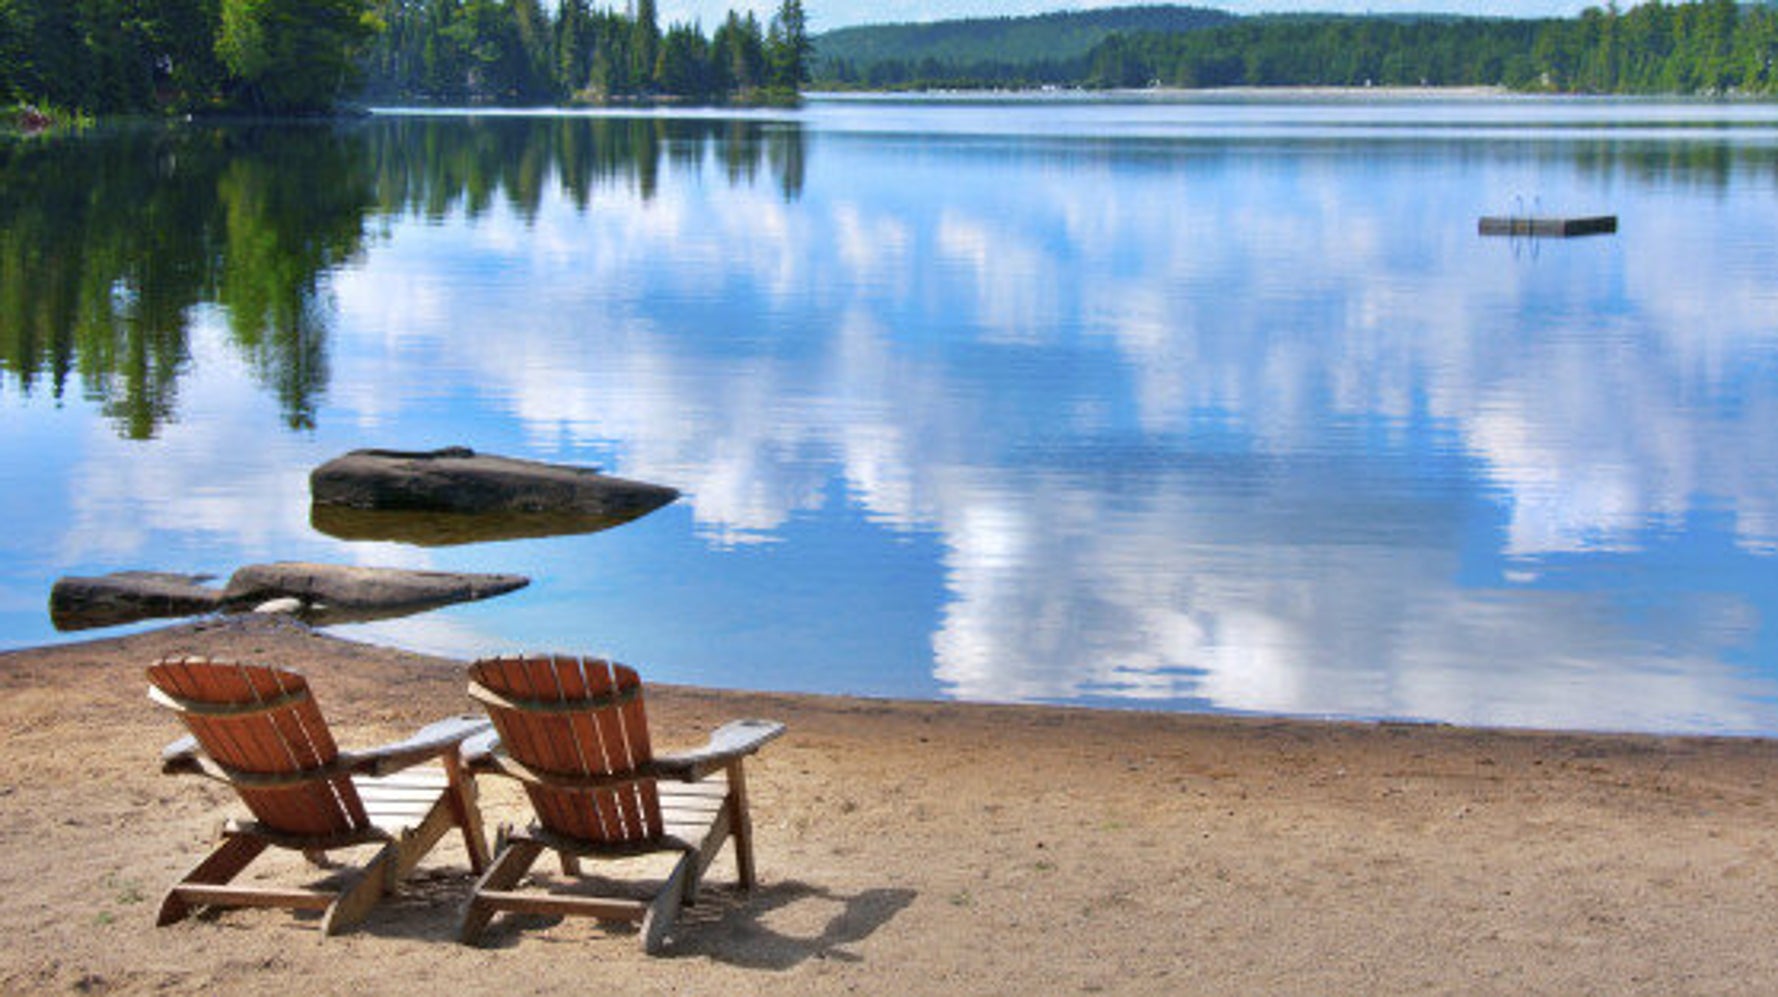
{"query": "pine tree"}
{"type": "Point", "coordinates": [645, 44]}
{"type": "Point", "coordinates": [788, 46]}
{"type": "Point", "coordinates": [14, 35]}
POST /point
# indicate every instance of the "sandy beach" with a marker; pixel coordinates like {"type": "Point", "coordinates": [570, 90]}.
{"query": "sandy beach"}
{"type": "Point", "coordinates": [920, 848]}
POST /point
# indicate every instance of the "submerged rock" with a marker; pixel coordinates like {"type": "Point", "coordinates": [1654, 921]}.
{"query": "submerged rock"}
{"type": "Point", "coordinates": [458, 480]}
{"type": "Point", "coordinates": [77, 603]}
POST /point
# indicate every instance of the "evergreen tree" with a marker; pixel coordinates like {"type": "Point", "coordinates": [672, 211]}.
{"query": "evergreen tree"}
{"type": "Point", "coordinates": [738, 53]}
{"type": "Point", "coordinates": [573, 54]}
{"type": "Point", "coordinates": [645, 43]}
{"type": "Point", "coordinates": [609, 71]}
{"type": "Point", "coordinates": [537, 45]}
{"type": "Point", "coordinates": [15, 32]}
{"type": "Point", "coordinates": [683, 66]}
{"type": "Point", "coordinates": [57, 67]}
{"type": "Point", "coordinates": [788, 46]}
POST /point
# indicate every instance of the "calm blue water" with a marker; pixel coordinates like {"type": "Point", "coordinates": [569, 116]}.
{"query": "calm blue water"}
{"type": "Point", "coordinates": [1208, 405]}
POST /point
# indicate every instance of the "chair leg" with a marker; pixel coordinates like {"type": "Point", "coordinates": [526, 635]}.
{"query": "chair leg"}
{"type": "Point", "coordinates": [421, 839]}
{"type": "Point", "coordinates": [513, 862]}
{"type": "Point", "coordinates": [663, 910]}
{"type": "Point", "coordinates": [462, 796]}
{"type": "Point", "coordinates": [373, 882]}
{"type": "Point", "coordinates": [741, 826]}
{"type": "Point", "coordinates": [234, 853]}
{"type": "Point", "coordinates": [714, 839]}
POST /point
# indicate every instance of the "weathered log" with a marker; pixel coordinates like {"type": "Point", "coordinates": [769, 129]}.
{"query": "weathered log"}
{"type": "Point", "coordinates": [459, 480]}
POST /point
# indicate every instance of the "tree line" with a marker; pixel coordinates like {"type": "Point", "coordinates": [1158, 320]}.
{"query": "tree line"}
{"type": "Point", "coordinates": [305, 56]}
{"type": "Point", "coordinates": [516, 52]}
{"type": "Point", "coordinates": [124, 56]}
{"type": "Point", "coordinates": [1003, 52]}
{"type": "Point", "coordinates": [1695, 47]}
{"type": "Point", "coordinates": [1703, 46]}
{"type": "Point", "coordinates": [1012, 41]}
{"type": "Point", "coordinates": [1323, 51]}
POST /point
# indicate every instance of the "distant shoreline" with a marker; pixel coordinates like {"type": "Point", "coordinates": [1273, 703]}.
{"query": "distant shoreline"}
{"type": "Point", "coordinates": [1284, 92]}
{"type": "Point", "coordinates": [1327, 91]}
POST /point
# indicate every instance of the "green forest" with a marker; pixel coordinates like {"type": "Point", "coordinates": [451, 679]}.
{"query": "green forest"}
{"type": "Point", "coordinates": [1702, 47]}
{"type": "Point", "coordinates": [1697, 47]}
{"type": "Point", "coordinates": [522, 52]}
{"type": "Point", "coordinates": [307, 56]}
{"type": "Point", "coordinates": [1017, 51]}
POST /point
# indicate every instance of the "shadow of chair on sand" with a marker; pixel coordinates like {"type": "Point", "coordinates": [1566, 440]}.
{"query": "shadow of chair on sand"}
{"type": "Point", "coordinates": [731, 927]}
{"type": "Point", "coordinates": [778, 927]}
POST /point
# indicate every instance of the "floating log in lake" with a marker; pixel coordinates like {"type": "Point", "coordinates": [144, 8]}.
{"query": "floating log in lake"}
{"type": "Point", "coordinates": [364, 494]}
{"type": "Point", "coordinates": [1548, 227]}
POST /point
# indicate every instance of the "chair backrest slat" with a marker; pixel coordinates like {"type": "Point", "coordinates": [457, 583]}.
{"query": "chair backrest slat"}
{"type": "Point", "coordinates": [608, 737]}
{"type": "Point", "coordinates": [575, 743]}
{"type": "Point", "coordinates": [291, 737]}
{"type": "Point", "coordinates": [635, 724]}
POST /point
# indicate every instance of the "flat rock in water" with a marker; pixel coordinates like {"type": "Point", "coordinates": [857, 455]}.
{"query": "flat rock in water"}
{"type": "Point", "coordinates": [77, 603]}
{"type": "Point", "coordinates": [348, 591]}
{"type": "Point", "coordinates": [460, 481]}
{"type": "Point", "coordinates": [320, 594]}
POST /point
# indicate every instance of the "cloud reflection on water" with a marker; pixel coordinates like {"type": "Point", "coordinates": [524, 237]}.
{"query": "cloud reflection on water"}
{"type": "Point", "coordinates": [1245, 427]}
{"type": "Point", "coordinates": [1265, 316]}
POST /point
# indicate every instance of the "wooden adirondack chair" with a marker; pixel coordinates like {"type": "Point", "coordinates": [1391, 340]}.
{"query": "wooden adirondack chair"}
{"type": "Point", "coordinates": [257, 728]}
{"type": "Point", "coordinates": [574, 732]}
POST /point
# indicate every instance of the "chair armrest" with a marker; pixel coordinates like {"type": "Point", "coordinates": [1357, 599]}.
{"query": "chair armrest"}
{"type": "Point", "coordinates": [479, 750]}
{"type": "Point", "coordinates": [733, 740]}
{"type": "Point", "coordinates": [429, 742]}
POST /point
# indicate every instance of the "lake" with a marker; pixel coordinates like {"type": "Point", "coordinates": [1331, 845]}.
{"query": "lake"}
{"type": "Point", "coordinates": [1214, 403]}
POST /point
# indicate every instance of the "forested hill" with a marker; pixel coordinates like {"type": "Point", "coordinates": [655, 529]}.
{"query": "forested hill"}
{"type": "Point", "coordinates": [1007, 39]}
{"type": "Point", "coordinates": [1034, 49]}
{"type": "Point", "coordinates": [1691, 47]}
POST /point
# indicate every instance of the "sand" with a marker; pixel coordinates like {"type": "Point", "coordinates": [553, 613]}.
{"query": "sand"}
{"type": "Point", "coordinates": [916, 848]}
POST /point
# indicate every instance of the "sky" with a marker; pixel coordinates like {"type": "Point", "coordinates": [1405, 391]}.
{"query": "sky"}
{"type": "Point", "coordinates": [825, 15]}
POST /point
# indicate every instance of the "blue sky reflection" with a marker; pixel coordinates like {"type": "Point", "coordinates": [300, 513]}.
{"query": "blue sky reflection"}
{"type": "Point", "coordinates": [1253, 425]}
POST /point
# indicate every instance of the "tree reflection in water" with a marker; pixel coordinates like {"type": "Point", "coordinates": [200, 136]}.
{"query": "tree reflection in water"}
{"type": "Point", "coordinates": [109, 242]}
